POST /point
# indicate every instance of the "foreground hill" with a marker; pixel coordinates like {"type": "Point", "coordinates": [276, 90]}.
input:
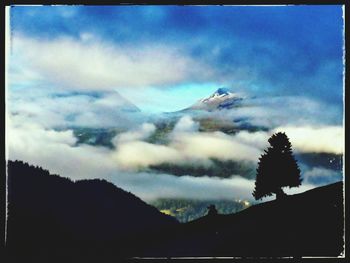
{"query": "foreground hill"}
{"type": "Point", "coordinates": [51, 217]}
{"type": "Point", "coordinates": [306, 224]}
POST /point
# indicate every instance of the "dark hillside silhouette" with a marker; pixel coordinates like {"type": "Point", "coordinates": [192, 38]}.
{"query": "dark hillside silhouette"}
{"type": "Point", "coordinates": [277, 168]}
{"type": "Point", "coordinates": [306, 224]}
{"type": "Point", "coordinates": [51, 217]}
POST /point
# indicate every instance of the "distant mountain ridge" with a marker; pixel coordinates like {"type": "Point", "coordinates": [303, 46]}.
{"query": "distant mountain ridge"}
{"type": "Point", "coordinates": [123, 104]}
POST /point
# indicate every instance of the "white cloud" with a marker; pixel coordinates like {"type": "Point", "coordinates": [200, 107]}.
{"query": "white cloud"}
{"type": "Point", "coordinates": [55, 151]}
{"type": "Point", "coordinates": [203, 188]}
{"type": "Point", "coordinates": [34, 134]}
{"type": "Point", "coordinates": [186, 124]}
{"type": "Point", "coordinates": [139, 154]}
{"type": "Point", "coordinates": [143, 132]}
{"type": "Point", "coordinates": [257, 139]}
{"type": "Point", "coordinates": [319, 172]}
{"type": "Point", "coordinates": [21, 75]}
{"type": "Point", "coordinates": [214, 145]}
{"type": "Point", "coordinates": [329, 139]}
{"type": "Point", "coordinates": [51, 111]}
{"type": "Point", "coordinates": [271, 112]}
{"type": "Point", "coordinates": [304, 139]}
{"type": "Point", "coordinates": [198, 148]}
{"type": "Point", "coordinates": [90, 64]}
{"type": "Point", "coordinates": [320, 175]}
{"type": "Point", "coordinates": [185, 146]}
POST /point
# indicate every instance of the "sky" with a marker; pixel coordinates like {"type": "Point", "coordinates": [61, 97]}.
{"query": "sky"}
{"type": "Point", "coordinates": [266, 50]}
{"type": "Point", "coordinates": [77, 65]}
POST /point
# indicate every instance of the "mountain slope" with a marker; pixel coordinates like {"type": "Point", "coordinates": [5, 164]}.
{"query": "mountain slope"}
{"type": "Point", "coordinates": [51, 216]}
{"type": "Point", "coordinates": [306, 224]}
{"type": "Point", "coordinates": [119, 103]}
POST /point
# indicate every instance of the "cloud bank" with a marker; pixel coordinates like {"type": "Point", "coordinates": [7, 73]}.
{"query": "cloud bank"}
{"type": "Point", "coordinates": [146, 130]}
{"type": "Point", "coordinates": [327, 139]}
{"type": "Point", "coordinates": [317, 175]}
{"type": "Point", "coordinates": [45, 147]}
{"type": "Point", "coordinates": [66, 109]}
{"type": "Point", "coordinates": [186, 146]}
{"type": "Point", "coordinates": [271, 112]}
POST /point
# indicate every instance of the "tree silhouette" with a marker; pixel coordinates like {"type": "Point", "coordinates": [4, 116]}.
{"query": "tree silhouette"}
{"type": "Point", "coordinates": [277, 168]}
{"type": "Point", "coordinates": [212, 210]}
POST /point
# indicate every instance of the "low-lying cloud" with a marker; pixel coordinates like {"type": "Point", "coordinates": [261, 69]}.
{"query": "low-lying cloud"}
{"type": "Point", "coordinates": [203, 188]}
{"type": "Point", "coordinates": [186, 124]}
{"type": "Point", "coordinates": [214, 145]}
{"type": "Point", "coordinates": [271, 112]}
{"type": "Point", "coordinates": [328, 139]}
{"type": "Point", "coordinates": [186, 146]}
{"type": "Point", "coordinates": [304, 139]}
{"type": "Point", "coordinates": [57, 152]}
{"type": "Point", "coordinates": [61, 110]}
{"type": "Point", "coordinates": [319, 175]}
{"type": "Point", "coordinates": [146, 130]}
{"type": "Point", "coordinates": [139, 154]}
{"type": "Point", "coordinates": [127, 164]}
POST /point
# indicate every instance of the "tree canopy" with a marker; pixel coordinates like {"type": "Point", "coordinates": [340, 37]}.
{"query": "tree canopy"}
{"type": "Point", "coordinates": [277, 168]}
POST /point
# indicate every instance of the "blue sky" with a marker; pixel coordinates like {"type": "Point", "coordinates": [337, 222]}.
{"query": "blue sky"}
{"type": "Point", "coordinates": [262, 50]}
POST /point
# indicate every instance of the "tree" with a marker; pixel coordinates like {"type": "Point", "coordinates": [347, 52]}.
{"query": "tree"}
{"type": "Point", "coordinates": [277, 168]}
{"type": "Point", "coordinates": [212, 210]}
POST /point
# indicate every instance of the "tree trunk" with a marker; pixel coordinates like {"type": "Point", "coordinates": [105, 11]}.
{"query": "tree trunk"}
{"type": "Point", "coordinates": [280, 194]}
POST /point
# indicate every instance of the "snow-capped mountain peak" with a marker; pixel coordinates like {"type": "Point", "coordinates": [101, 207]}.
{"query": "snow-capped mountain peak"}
{"type": "Point", "coordinates": [222, 98]}
{"type": "Point", "coordinates": [221, 93]}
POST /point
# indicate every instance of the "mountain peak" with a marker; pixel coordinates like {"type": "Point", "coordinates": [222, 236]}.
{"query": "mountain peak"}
{"type": "Point", "coordinates": [221, 94]}
{"type": "Point", "coordinates": [222, 91]}
{"type": "Point", "coordinates": [222, 98]}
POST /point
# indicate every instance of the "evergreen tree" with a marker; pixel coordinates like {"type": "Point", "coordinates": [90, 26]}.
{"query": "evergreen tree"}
{"type": "Point", "coordinates": [277, 168]}
{"type": "Point", "coordinates": [212, 210]}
